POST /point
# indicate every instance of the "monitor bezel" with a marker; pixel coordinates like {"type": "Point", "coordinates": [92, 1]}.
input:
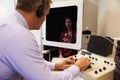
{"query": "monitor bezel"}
{"type": "Point", "coordinates": [78, 44]}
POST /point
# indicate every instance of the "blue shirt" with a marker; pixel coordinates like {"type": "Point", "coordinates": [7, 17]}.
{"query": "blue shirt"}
{"type": "Point", "coordinates": [20, 54]}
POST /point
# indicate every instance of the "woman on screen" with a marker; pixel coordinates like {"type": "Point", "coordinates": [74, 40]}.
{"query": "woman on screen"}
{"type": "Point", "coordinates": [68, 36]}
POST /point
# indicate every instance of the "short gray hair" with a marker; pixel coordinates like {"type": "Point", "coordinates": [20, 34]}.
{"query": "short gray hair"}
{"type": "Point", "coordinates": [30, 5]}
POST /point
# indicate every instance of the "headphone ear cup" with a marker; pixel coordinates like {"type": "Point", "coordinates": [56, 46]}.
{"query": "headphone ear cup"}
{"type": "Point", "coordinates": [40, 12]}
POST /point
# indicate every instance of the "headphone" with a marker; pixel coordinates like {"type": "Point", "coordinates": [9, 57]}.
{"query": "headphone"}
{"type": "Point", "coordinates": [40, 10]}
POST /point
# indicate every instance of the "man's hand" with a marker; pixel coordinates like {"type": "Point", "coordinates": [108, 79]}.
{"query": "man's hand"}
{"type": "Point", "coordinates": [83, 63]}
{"type": "Point", "coordinates": [65, 63]}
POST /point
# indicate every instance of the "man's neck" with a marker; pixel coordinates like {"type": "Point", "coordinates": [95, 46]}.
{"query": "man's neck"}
{"type": "Point", "coordinates": [28, 17]}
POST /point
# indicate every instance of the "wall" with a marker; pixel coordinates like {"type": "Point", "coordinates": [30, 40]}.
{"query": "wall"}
{"type": "Point", "coordinates": [90, 15]}
{"type": "Point", "coordinates": [109, 18]}
{"type": "Point", "coordinates": [90, 19]}
{"type": "Point", "coordinates": [6, 7]}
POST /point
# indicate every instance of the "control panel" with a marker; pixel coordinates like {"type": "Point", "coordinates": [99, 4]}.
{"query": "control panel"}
{"type": "Point", "coordinates": [102, 68]}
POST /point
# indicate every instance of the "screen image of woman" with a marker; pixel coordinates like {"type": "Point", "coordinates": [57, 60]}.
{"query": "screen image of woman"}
{"type": "Point", "coordinates": [68, 36]}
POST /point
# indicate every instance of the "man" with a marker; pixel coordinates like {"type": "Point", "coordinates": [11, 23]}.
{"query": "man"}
{"type": "Point", "coordinates": [19, 51]}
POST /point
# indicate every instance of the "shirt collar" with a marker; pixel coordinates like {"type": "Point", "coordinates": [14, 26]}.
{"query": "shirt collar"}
{"type": "Point", "coordinates": [21, 19]}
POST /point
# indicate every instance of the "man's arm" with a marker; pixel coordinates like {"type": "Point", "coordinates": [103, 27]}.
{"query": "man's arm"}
{"type": "Point", "coordinates": [25, 58]}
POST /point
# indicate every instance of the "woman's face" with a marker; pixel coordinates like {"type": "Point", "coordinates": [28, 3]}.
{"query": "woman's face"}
{"type": "Point", "coordinates": [68, 23]}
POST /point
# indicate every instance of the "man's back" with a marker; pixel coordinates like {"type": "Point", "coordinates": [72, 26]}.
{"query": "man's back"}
{"type": "Point", "coordinates": [6, 32]}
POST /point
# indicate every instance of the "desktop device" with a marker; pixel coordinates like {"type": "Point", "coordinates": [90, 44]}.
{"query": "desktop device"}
{"type": "Point", "coordinates": [102, 68]}
{"type": "Point", "coordinates": [54, 23]}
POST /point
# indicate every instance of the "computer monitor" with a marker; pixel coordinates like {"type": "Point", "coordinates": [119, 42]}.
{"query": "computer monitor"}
{"type": "Point", "coordinates": [55, 20]}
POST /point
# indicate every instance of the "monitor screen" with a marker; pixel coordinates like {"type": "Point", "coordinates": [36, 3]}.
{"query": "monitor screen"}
{"type": "Point", "coordinates": [63, 25]}
{"type": "Point", "coordinates": [56, 22]}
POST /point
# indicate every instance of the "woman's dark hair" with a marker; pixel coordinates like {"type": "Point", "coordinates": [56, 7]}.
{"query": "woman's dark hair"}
{"type": "Point", "coordinates": [73, 22]}
{"type": "Point", "coordinates": [73, 27]}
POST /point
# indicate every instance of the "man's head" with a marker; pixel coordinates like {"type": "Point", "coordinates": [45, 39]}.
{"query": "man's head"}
{"type": "Point", "coordinates": [35, 9]}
